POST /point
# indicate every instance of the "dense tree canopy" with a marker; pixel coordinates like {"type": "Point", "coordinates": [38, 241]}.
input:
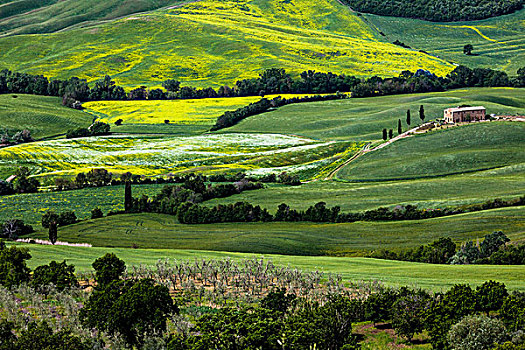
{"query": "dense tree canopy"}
{"type": "Point", "coordinates": [437, 10]}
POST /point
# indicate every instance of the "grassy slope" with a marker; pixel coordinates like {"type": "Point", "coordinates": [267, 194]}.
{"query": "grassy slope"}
{"type": "Point", "coordinates": [498, 42]}
{"type": "Point", "coordinates": [163, 232]}
{"type": "Point", "coordinates": [43, 116]}
{"type": "Point", "coordinates": [46, 16]}
{"type": "Point", "coordinates": [397, 273]}
{"type": "Point", "coordinates": [426, 193]}
{"type": "Point", "coordinates": [212, 43]}
{"type": "Point", "coordinates": [461, 149]}
{"type": "Point", "coordinates": [364, 119]}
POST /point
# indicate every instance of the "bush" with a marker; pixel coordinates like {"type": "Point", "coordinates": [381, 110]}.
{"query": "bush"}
{"type": "Point", "coordinates": [13, 267]}
{"type": "Point", "coordinates": [96, 213]}
{"type": "Point", "coordinates": [476, 333]}
{"type": "Point", "coordinates": [108, 268]}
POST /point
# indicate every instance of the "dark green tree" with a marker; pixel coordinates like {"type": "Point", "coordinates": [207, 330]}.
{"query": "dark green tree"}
{"type": "Point", "coordinates": [422, 113]}
{"type": "Point", "coordinates": [467, 49]}
{"type": "Point", "coordinates": [492, 243]}
{"type": "Point", "coordinates": [408, 314]}
{"type": "Point", "coordinates": [512, 312]}
{"type": "Point", "coordinates": [278, 300]}
{"type": "Point", "coordinates": [23, 183]}
{"type": "Point", "coordinates": [61, 275]}
{"type": "Point", "coordinates": [13, 267]}
{"type": "Point", "coordinates": [128, 197]}
{"type": "Point", "coordinates": [49, 217]}
{"type": "Point", "coordinates": [171, 85]}
{"type": "Point", "coordinates": [99, 128]}
{"type": "Point", "coordinates": [53, 232]}
{"type": "Point", "coordinates": [131, 309]}
{"type": "Point", "coordinates": [399, 127]}
{"type": "Point", "coordinates": [41, 337]}
{"type": "Point", "coordinates": [108, 268]}
{"type": "Point", "coordinates": [390, 133]}
{"type": "Point", "coordinates": [96, 213]}
{"type": "Point", "coordinates": [490, 296]}
{"type": "Point", "coordinates": [408, 116]}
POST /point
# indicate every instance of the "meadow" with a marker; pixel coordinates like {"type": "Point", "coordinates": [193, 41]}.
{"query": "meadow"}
{"type": "Point", "coordinates": [211, 43]}
{"type": "Point", "coordinates": [498, 42]}
{"type": "Point", "coordinates": [468, 148]}
{"type": "Point", "coordinates": [44, 116]}
{"type": "Point", "coordinates": [393, 273]}
{"type": "Point", "coordinates": [363, 119]}
{"type": "Point", "coordinates": [160, 231]}
{"type": "Point", "coordinates": [161, 155]}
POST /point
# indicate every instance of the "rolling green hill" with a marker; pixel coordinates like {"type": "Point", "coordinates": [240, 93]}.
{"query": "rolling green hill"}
{"type": "Point", "coordinates": [362, 119]}
{"type": "Point", "coordinates": [498, 42]}
{"type": "Point", "coordinates": [394, 273]}
{"type": "Point", "coordinates": [213, 43]}
{"type": "Point", "coordinates": [463, 149]}
{"type": "Point", "coordinates": [164, 232]}
{"type": "Point", "coordinates": [43, 116]}
{"type": "Point", "coordinates": [46, 16]}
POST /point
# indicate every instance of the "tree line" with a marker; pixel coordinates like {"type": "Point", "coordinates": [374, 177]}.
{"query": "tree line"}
{"type": "Point", "coordinates": [74, 91]}
{"type": "Point", "coordinates": [493, 250]}
{"type": "Point", "coordinates": [185, 204]}
{"type": "Point", "coordinates": [438, 10]}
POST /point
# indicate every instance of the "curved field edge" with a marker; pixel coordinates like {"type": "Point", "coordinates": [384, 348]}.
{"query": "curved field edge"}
{"type": "Point", "coordinates": [394, 273]}
{"type": "Point", "coordinates": [210, 44]}
{"type": "Point", "coordinates": [305, 238]}
{"type": "Point", "coordinates": [458, 150]}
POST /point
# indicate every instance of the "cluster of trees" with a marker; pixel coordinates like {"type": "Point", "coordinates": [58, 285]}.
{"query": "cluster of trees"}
{"type": "Point", "coordinates": [194, 190]}
{"type": "Point", "coordinates": [22, 183]}
{"type": "Point", "coordinates": [492, 250]}
{"type": "Point", "coordinates": [437, 10]}
{"type": "Point", "coordinates": [95, 129]}
{"type": "Point", "coordinates": [18, 137]}
{"type": "Point", "coordinates": [14, 228]}
{"type": "Point", "coordinates": [231, 118]}
{"type": "Point", "coordinates": [131, 309]}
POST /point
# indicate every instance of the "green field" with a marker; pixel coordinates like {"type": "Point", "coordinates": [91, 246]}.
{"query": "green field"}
{"type": "Point", "coordinates": [364, 118]}
{"type": "Point", "coordinates": [43, 116]}
{"type": "Point", "coordinates": [463, 149]}
{"type": "Point", "coordinates": [437, 192]}
{"type": "Point", "coordinates": [30, 207]}
{"type": "Point", "coordinates": [46, 16]}
{"type": "Point", "coordinates": [163, 231]}
{"type": "Point", "coordinates": [498, 42]}
{"type": "Point", "coordinates": [396, 273]}
{"type": "Point", "coordinates": [211, 43]}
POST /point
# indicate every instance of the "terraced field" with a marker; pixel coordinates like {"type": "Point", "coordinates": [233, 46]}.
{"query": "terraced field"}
{"type": "Point", "coordinates": [43, 116]}
{"type": "Point", "coordinates": [162, 155]}
{"type": "Point", "coordinates": [396, 273]}
{"type": "Point", "coordinates": [210, 43]}
{"type": "Point", "coordinates": [364, 118]}
{"type": "Point", "coordinates": [499, 42]}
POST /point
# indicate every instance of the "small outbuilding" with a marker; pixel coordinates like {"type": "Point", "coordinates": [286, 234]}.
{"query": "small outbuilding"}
{"type": "Point", "coordinates": [464, 114]}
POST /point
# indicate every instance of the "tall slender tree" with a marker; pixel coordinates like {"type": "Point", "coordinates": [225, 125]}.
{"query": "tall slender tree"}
{"type": "Point", "coordinates": [128, 197]}
{"type": "Point", "coordinates": [385, 136]}
{"type": "Point", "coordinates": [399, 128]}
{"type": "Point", "coordinates": [53, 232]}
{"type": "Point", "coordinates": [390, 133]}
{"type": "Point", "coordinates": [422, 113]}
{"type": "Point", "coordinates": [408, 116]}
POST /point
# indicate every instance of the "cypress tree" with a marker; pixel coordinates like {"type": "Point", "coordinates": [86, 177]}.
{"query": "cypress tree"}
{"type": "Point", "coordinates": [399, 128]}
{"type": "Point", "coordinates": [53, 232]}
{"type": "Point", "coordinates": [408, 116]}
{"type": "Point", "coordinates": [128, 199]}
{"type": "Point", "coordinates": [422, 113]}
{"type": "Point", "coordinates": [390, 133]}
{"type": "Point", "coordinates": [384, 135]}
